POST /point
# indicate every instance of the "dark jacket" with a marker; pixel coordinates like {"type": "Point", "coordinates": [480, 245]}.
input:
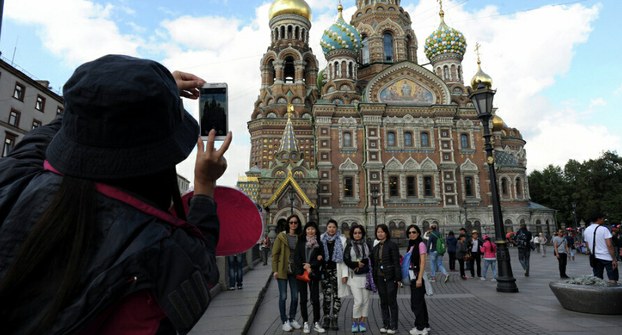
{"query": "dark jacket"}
{"type": "Point", "coordinates": [452, 242]}
{"type": "Point", "coordinates": [300, 258]}
{"type": "Point", "coordinates": [470, 246]}
{"type": "Point", "coordinates": [135, 251]}
{"type": "Point", "coordinates": [353, 264]}
{"type": "Point", "coordinates": [386, 265]}
{"type": "Point", "coordinates": [461, 249]}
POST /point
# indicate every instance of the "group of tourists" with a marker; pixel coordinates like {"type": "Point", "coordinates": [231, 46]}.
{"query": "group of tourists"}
{"type": "Point", "coordinates": [308, 263]}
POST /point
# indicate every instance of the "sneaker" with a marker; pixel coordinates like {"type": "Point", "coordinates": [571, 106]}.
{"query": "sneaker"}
{"type": "Point", "coordinates": [391, 331]}
{"type": "Point", "coordinates": [295, 324]}
{"type": "Point", "coordinates": [355, 327]}
{"type": "Point", "coordinates": [493, 279]}
{"type": "Point", "coordinates": [232, 288]}
{"type": "Point", "coordinates": [482, 278]}
{"type": "Point", "coordinates": [446, 279]}
{"type": "Point", "coordinates": [415, 331]}
{"type": "Point", "coordinates": [318, 328]}
{"type": "Point", "coordinates": [426, 329]}
{"type": "Point", "coordinates": [239, 287]}
{"type": "Point", "coordinates": [287, 327]}
{"type": "Point", "coordinates": [464, 277]}
{"type": "Point", "coordinates": [362, 327]}
{"type": "Point", "coordinates": [383, 330]}
{"type": "Point", "coordinates": [305, 328]}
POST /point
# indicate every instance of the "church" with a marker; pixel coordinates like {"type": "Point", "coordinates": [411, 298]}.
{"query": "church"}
{"type": "Point", "coordinates": [375, 137]}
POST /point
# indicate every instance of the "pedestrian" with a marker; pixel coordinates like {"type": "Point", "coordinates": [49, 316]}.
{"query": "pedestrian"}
{"type": "Point", "coordinates": [467, 236]}
{"type": "Point", "coordinates": [264, 248]}
{"type": "Point", "coordinates": [310, 257]}
{"type": "Point", "coordinates": [476, 256]}
{"type": "Point", "coordinates": [461, 253]}
{"type": "Point", "coordinates": [543, 241]}
{"type": "Point", "coordinates": [571, 245]}
{"type": "Point", "coordinates": [598, 241]}
{"type": "Point", "coordinates": [489, 250]}
{"type": "Point", "coordinates": [87, 242]}
{"type": "Point", "coordinates": [387, 275]}
{"type": "Point", "coordinates": [451, 242]}
{"type": "Point", "coordinates": [357, 257]}
{"type": "Point", "coordinates": [284, 271]}
{"type": "Point", "coordinates": [334, 270]}
{"type": "Point", "coordinates": [417, 287]}
{"type": "Point", "coordinates": [523, 240]}
{"type": "Point", "coordinates": [235, 263]}
{"type": "Point", "coordinates": [616, 239]}
{"type": "Point", "coordinates": [561, 250]}
{"type": "Point", "coordinates": [436, 259]}
{"type": "Point", "coordinates": [536, 241]}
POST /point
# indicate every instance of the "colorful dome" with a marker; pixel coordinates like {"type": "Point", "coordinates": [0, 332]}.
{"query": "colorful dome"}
{"type": "Point", "coordinates": [444, 40]}
{"type": "Point", "coordinates": [298, 7]}
{"type": "Point", "coordinates": [340, 35]}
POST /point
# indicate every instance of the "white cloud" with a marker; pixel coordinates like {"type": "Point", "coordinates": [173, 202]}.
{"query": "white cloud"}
{"type": "Point", "coordinates": [597, 102]}
{"type": "Point", "coordinates": [618, 91]}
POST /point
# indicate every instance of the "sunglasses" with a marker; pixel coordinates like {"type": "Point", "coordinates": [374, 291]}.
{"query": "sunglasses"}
{"type": "Point", "coordinates": [293, 222]}
{"type": "Point", "coordinates": [413, 232]}
{"type": "Point", "coordinates": [357, 233]}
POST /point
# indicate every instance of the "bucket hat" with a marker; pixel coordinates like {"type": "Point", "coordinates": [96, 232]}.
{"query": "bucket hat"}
{"type": "Point", "coordinates": [123, 118]}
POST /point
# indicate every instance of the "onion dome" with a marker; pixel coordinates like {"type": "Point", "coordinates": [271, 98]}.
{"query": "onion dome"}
{"type": "Point", "coordinates": [340, 35]}
{"type": "Point", "coordinates": [297, 7]}
{"type": "Point", "coordinates": [444, 40]}
{"type": "Point", "coordinates": [480, 77]}
{"type": "Point", "coordinates": [498, 123]}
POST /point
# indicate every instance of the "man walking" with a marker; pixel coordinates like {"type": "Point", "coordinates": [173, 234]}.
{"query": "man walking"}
{"type": "Point", "coordinates": [598, 240]}
{"type": "Point", "coordinates": [523, 242]}
{"type": "Point", "coordinates": [436, 259]}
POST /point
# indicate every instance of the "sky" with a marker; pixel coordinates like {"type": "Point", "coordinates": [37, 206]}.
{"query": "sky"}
{"type": "Point", "coordinates": [554, 64]}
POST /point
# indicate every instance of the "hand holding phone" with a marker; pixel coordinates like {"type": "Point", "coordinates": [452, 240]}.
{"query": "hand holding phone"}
{"type": "Point", "coordinates": [214, 110]}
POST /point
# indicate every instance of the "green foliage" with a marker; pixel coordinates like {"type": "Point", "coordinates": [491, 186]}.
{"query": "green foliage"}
{"type": "Point", "coordinates": [593, 186]}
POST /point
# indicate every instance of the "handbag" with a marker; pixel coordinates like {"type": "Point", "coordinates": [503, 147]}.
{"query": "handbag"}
{"type": "Point", "coordinates": [406, 267]}
{"type": "Point", "coordinates": [369, 280]}
{"type": "Point", "coordinates": [467, 257]}
{"type": "Point", "coordinates": [304, 276]}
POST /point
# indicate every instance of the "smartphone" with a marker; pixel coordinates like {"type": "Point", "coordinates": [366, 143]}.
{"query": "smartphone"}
{"type": "Point", "coordinates": [214, 110]}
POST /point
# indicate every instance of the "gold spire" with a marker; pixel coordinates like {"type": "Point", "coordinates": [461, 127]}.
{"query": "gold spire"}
{"type": "Point", "coordinates": [480, 76]}
{"type": "Point", "coordinates": [441, 13]}
{"type": "Point", "coordinates": [340, 9]}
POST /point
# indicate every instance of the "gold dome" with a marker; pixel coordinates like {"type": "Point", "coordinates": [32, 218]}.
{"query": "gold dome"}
{"type": "Point", "coordinates": [298, 7]}
{"type": "Point", "coordinates": [481, 77]}
{"type": "Point", "coordinates": [497, 123]}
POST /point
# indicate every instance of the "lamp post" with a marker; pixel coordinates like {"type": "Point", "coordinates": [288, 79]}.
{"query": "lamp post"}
{"type": "Point", "coordinates": [465, 214]}
{"type": "Point", "coordinates": [482, 100]}
{"type": "Point", "coordinates": [291, 201]}
{"type": "Point", "coordinates": [374, 196]}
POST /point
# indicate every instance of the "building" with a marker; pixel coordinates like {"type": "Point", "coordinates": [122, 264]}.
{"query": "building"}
{"type": "Point", "coordinates": [25, 104]}
{"type": "Point", "coordinates": [375, 132]}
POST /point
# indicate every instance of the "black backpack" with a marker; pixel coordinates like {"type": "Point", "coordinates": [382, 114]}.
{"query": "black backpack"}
{"type": "Point", "coordinates": [522, 240]}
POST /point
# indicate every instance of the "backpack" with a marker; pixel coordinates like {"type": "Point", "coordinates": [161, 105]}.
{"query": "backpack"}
{"type": "Point", "coordinates": [440, 245]}
{"type": "Point", "coordinates": [521, 240]}
{"type": "Point", "coordinates": [405, 266]}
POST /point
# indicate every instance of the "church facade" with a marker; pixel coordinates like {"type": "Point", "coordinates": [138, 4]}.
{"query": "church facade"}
{"type": "Point", "coordinates": [374, 137]}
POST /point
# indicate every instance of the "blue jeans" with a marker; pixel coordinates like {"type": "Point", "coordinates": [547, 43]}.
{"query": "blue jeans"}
{"type": "Point", "coordinates": [602, 265]}
{"type": "Point", "coordinates": [436, 263]}
{"type": "Point", "coordinates": [490, 263]}
{"type": "Point", "coordinates": [236, 269]}
{"type": "Point", "coordinates": [293, 290]}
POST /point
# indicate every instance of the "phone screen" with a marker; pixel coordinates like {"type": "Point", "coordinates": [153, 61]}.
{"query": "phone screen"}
{"type": "Point", "coordinates": [213, 107]}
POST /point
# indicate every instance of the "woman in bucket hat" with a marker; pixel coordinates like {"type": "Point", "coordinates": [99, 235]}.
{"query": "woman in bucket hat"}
{"type": "Point", "coordinates": [87, 243]}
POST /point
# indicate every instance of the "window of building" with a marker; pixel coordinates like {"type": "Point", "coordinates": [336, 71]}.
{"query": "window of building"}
{"type": "Point", "coordinates": [19, 91]}
{"type": "Point", "coordinates": [365, 50]}
{"type": "Point", "coordinates": [427, 186]}
{"type": "Point", "coordinates": [519, 187]}
{"type": "Point", "coordinates": [391, 138]}
{"type": "Point", "coordinates": [394, 190]}
{"type": "Point", "coordinates": [408, 139]}
{"type": "Point", "coordinates": [468, 186]}
{"type": "Point", "coordinates": [464, 141]}
{"type": "Point", "coordinates": [425, 139]}
{"type": "Point", "coordinates": [388, 47]}
{"type": "Point", "coordinates": [411, 186]}
{"type": "Point", "coordinates": [40, 103]}
{"type": "Point", "coordinates": [348, 187]}
{"type": "Point", "coordinates": [347, 139]}
{"type": "Point", "coordinates": [36, 124]}
{"type": "Point", "coordinates": [289, 71]}
{"type": "Point", "coordinates": [9, 143]}
{"type": "Point", "coordinates": [504, 186]}
{"type": "Point", "coordinates": [14, 118]}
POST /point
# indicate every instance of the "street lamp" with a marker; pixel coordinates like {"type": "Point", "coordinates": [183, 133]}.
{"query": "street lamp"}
{"type": "Point", "coordinates": [464, 204]}
{"type": "Point", "coordinates": [291, 200]}
{"type": "Point", "coordinates": [374, 196]}
{"type": "Point", "coordinates": [482, 100]}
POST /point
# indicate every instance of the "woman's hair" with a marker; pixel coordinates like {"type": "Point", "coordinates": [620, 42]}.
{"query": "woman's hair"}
{"type": "Point", "coordinates": [416, 228]}
{"type": "Point", "coordinates": [298, 227]}
{"type": "Point", "coordinates": [357, 226]}
{"type": "Point", "coordinates": [451, 233]}
{"type": "Point", "coordinates": [332, 221]}
{"type": "Point", "coordinates": [385, 229]}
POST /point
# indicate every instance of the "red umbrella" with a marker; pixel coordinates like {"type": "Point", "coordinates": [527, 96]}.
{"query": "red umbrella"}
{"type": "Point", "coordinates": [509, 235]}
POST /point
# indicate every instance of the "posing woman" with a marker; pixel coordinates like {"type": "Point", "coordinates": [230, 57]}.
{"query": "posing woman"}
{"type": "Point", "coordinates": [284, 271]}
{"type": "Point", "coordinates": [387, 275]}
{"type": "Point", "coordinates": [417, 287]}
{"type": "Point", "coordinates": [489, 250]}
{"type": "Point", "coordinates": [461, 252]}
{"type": "Point", "coordinates": [357, 257]}
{"type": "Point", "coordinates": [310, 257]}
{"type": "Point", "coordinates": [334, 270]}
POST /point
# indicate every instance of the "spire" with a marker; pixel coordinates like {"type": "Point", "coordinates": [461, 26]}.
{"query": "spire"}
{"type": "Point", "coordinates": [441, 13]}
{"type": "Point", "coordinates": [288, 141]}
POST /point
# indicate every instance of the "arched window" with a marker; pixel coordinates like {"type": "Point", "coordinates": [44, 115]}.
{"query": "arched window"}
{"type": "Point", "coordinates": [347, 139]}
{"type": "Point", "coordinates": [446, 73]}
{"type": "Point", "coordinates": [408, 45]}
{"type": "Point", "coordinates": [391, 138]}
{"type": "Point", "coordinates": [271, 73]}
{"type": "Point", "coordinates": [388, 47]}
{"type": "Point", "coordinates": [464, 141]}
{"type": "Point", "coordinates": [350, 70]}
{"type": "Point", "coordinates": [336, 68]}
{"type": "Point", "coordinates": [290, 70]}
{"type": "Point", "coordinates": [504, 186]}
{"type": "Point", "coordinates": [365, 50]}
{"type": "Point", "coordinates": [408, 139]}
{"type": "Point", "coordinates": [425, 139]}
{"type": "Point", "coordinates": [519, 187]}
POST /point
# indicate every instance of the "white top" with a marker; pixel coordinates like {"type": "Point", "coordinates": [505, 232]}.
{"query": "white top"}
{"type": "Point", "coordinates": [601, 251]}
